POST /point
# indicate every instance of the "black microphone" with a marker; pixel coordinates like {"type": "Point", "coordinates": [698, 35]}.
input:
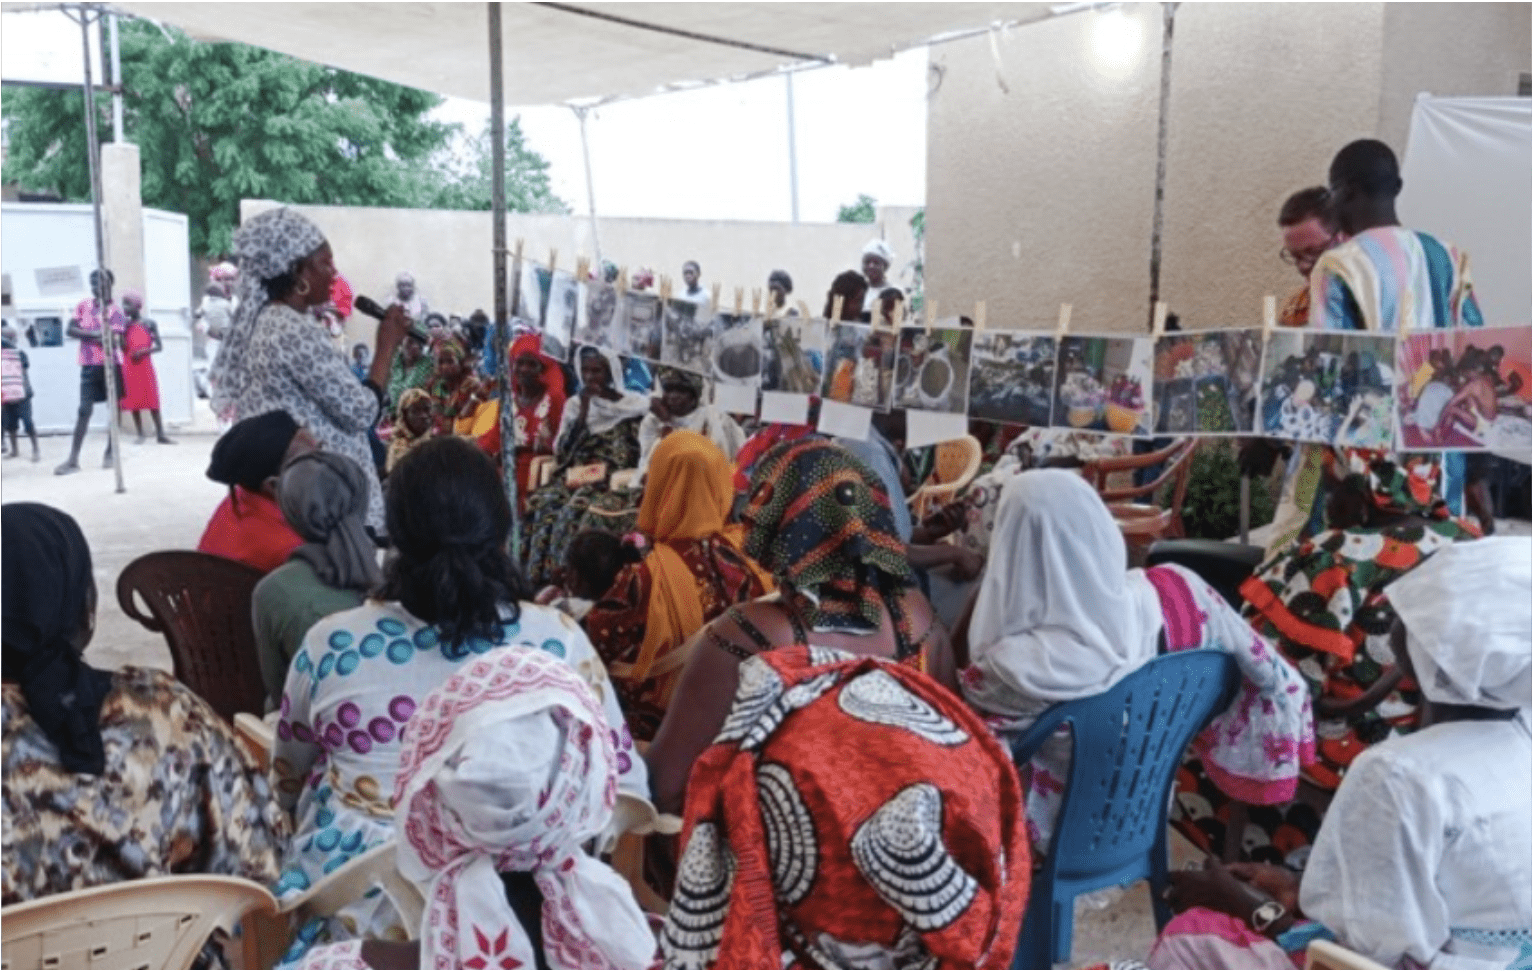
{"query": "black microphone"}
{"type": "Point", "coordinates": [376, 310]}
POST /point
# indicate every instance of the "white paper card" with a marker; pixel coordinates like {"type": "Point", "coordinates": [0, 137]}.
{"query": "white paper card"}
{"type": "Point", "coordinates": [739, 399]}
{"type": "Point", "coordinates": [786, 407]}
{"type": "Point", "coordinates": [929, 428]}
{"type": "Point", "coordinates": [848, 421]}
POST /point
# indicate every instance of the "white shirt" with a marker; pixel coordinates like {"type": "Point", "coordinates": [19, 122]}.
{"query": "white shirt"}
{"type": "Point", "coordinates": [1426, 852]}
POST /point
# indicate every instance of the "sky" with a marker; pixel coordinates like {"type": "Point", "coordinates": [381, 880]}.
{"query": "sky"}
{"type": "Point", "coordinates": [713, 153]}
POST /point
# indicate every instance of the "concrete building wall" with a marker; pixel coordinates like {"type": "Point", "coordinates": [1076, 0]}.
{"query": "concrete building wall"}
{"type": "Point", "coordinates": [449, 252]}
{"type": "Point", "coordinates": [1044, 195]}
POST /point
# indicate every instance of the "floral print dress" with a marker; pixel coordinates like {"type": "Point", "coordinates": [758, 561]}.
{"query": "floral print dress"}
{"type": "Point", "coordinates": [178, 796]}
{"type": "Point", "coordinates": [352, 687]}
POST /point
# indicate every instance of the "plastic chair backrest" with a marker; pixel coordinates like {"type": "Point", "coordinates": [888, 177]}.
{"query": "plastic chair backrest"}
{"type": "Point", "coordinates": [201, 603]}
{"type": "Point", "coordinates": [1127, 744]}
{"type": "Point", "coordinates": [153, 923]}
{"type": "Point", "coordinates": [957, 462]}
{"type": "Point", "coordinates": [1330, 955]}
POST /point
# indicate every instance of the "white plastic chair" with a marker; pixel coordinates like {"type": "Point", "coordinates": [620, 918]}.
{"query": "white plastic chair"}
{"type": "Point", "coordinates": [153, 923]}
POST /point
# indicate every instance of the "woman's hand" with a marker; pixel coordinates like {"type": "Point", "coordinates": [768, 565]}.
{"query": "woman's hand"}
{"type": "Point", "coordinates": [1214, 887]}
{"type": "Point", "coordinates": [390, 334]}
{"type": "Point", "coordinates": [140, 354]}
{"type": "Point", "coordinates": [1276, 882]}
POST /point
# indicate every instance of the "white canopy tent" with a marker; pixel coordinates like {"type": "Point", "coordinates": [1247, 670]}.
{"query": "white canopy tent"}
{"type": "Point", "coordinates": [558, 52]}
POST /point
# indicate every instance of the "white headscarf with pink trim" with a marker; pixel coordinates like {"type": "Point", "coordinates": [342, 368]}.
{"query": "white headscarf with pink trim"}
{"type": "Point", "coordinates": [510, 766]}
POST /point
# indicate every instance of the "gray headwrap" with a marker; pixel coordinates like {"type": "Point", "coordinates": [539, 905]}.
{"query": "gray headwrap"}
{"type": "Point", "coordinates": [267, 246]}
{"type": "Point", "coordinates": [324, 498]}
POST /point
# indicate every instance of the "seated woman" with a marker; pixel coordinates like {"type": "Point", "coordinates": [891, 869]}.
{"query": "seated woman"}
{"type": "Point", "coordinates": [109, 776]}
{"type": "Point", "coordinates": [497, 798]}
{"type": "Point", "coordinates": [1321, 601]}
{"type": "Point", "coordinates": [324, 497]}
{"type": "Point", "coordinates": [820, 524]}
{"type": "Point", "coordinates": [876, 826]}
{"type": "Point", "coordinates": [1058, 617]}
{"type": "Point", "coordinates": [679, 408]}
{"type": "Point", "coordinates": [451, 593]}
{"type": "Point", "coordinates": [454, 387]}
{"type": "Point", "coordinates": [1425, 856]}
{"type": "Point", "coordinates": [599, 427]}
{"type": "Point", "coordinates": [248, 526]}
{"type": "Point", "coordinates": [591, 565]}
{"type": "Point", "coordinates": [695, 571]}
{"type": "Point", "coordinates": [416, 424]}
{"type": "Point", "coordinates": [538, 389]}
{"type": "Point", "coordinates": [410, 368]}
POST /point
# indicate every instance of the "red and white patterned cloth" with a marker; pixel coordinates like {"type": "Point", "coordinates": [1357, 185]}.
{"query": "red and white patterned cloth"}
{"type": "Point", "coordinates": [88, 315]}
{"type": "Point", "coordinates": [510, 766]}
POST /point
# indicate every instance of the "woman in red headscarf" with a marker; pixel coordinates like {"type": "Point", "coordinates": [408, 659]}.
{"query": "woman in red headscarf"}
{"type": "Point", "coordinates": [537, 384]}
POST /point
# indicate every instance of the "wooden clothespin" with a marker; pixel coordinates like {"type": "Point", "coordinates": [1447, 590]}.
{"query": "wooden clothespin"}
{"type": "Point", "coordinates": [622, 280]}
{"type": "Point", "coordinates": [755, 302]}
{"type": "Point", "coordinates": [717, 291]}
{"type": "Point", "coordinates": [980, 316]}
{"type": "Point", "coordinates": [1269, 313]}
{"type": "Point", "coordinates": [520, 246]}
{"type": "Point", "coordinates": [553, 260]}
{"type": "Point", "coordinates": [930, 316]}
{"type": "Point", "coordinates": [803, 310]}
{"type": "Point", "coordinates": [1160, 312]}
{"type": "Point", "coordinates": [739, 301]}
{"type": "Point", "coordinates": [1065, 311]}
{"type": "Point", "coordinates": [582, 268]}
{"type": "Point", "coordinates": [835, 308]}
{"type": "Point", "coordinates": [1406, 311]}
{"type": "Point", "coordinates": [664, 288]}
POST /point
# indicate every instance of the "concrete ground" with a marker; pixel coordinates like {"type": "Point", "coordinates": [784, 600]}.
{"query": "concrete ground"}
{"type": "Point", "coordinates": [166, 504]}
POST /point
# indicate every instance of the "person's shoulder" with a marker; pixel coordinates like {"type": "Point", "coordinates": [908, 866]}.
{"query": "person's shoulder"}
{"type": "Point", "coordinates": [346, 629]}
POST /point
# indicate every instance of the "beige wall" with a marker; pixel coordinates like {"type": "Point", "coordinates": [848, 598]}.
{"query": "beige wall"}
{"type": "Point", "coordinates": [1044, 195]}
{"type": "Point", "coordinates": [449, 251]}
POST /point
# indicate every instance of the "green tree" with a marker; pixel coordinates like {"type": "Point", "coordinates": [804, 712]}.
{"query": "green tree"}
{"type": "Point", "coordinates": [461, 179]}
{"type": "Point", "coordinates": [217, 123]}
{"type": "Point", "coordinates": [864, 210]}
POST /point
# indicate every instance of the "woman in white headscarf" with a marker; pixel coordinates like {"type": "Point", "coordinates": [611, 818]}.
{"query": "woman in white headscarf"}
{"type": "Point", "coordinates": [599, 428]}
{"type": "Point", "coordinates": [1059, 617]}
{"type": "Point", "coordinates": [682, 406]}
{"type": "Point", "coordinates": [508, 772]}
{"type": "Point", "coordinates": [1425, 856]}
{"type": "Point", "coordinates": [275, 356]}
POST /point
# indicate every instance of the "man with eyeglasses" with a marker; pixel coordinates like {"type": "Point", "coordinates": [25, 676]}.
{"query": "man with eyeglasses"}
{"type": "Point", "coordinates": [1308, 230]}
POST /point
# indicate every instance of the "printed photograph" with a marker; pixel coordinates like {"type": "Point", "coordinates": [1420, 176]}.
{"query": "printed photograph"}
{"type": "Point", "coordinates": [598, 315]}
{"type": "Point", "coordinates": [1103, 384]}
{"type": "Point", "coordinates": [859, 365]}
{"type": "Point", "coordinates": [641, 326]}
{"type": "Point", "coordinates": [931, 373]}
{"type": "Point", "coordinates": [562, 313]}
{"type": "Point", "coordinates": [1329, 387]}
{"type": "Point", "coordinates": [1205, 382]}
{"type": "Point", "coordinates": [737, 350]}
{"type": "Point", "coordinates": [1465, 389]}
{"type": "Point", "coordinates": [1012, 377]}
{"type": "Point", "coordinates": [687, 340]}
{"type": "Point", "coordinates": [792, 355]}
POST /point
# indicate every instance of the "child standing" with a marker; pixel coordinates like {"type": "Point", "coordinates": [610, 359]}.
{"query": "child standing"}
{"type": "Point", "coordinates": [16, 391]}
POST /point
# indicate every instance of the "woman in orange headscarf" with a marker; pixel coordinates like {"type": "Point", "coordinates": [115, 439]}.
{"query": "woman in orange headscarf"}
{"type": "Point", "coordinates": [695, 571]}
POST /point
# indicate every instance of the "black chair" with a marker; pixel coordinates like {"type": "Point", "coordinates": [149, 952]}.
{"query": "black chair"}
{"type": "Point", "coordinates": [1225, 566]}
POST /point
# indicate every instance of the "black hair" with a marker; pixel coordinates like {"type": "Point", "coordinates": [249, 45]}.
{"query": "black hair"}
{"type": "Point", "coordinates": [449, 519]}
{"type": "Point", "coordinates": [597, 557]}
{"type": "Point", "coordinates": [1305, 204]}
{"type": "Point", "coordinates": [782, 279]}
{"type": "Point", "coordinates": [692, 263]}
{"type": "Point", "coordinates": [1368, 168]}
{"type": "Point", "coordinates": [845, 285]}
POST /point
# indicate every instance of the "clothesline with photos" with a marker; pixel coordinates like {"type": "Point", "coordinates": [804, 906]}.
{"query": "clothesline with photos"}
{"type": "Point", "coordinates": [1438, 390]}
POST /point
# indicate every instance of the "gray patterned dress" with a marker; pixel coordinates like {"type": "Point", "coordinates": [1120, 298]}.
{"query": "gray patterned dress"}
{"type": "Point", "coordinates": [290, 364]}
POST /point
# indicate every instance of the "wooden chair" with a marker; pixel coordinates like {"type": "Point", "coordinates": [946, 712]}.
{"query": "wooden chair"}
{"type": "Point", "coordinates": [201, 604]}
{"type": "Point", "coordinates": [1143, 523]}
{"type": "Point", "coordinates": [957, 463]}
{"type": "Point", "coordinates": [153, 923]}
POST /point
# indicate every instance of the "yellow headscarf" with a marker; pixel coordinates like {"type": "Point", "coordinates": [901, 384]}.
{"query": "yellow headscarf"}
{"type": "Point", "coordinates": [688, 497]}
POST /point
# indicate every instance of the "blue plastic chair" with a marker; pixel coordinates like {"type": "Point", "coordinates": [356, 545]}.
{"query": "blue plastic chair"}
{"type": "Point", "coordinates": [1128, 743]}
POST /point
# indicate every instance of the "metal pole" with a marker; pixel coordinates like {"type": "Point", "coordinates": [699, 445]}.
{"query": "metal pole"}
{"type": "Point", "coordinates": [108, 344]}
{"type": "Point", "coordinates": [581, 111]}
{"type": "Point", "coordinates": [116, 81]}
{"type": "Point", "coordinates": [792, 146]}
{"type": "Point", "coordinates": [502, 308]}
{"type": "Point", "coordinates": [1156, 236]}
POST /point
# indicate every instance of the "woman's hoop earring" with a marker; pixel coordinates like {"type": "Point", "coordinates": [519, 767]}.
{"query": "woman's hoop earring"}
{"type": "Point", "coordinates": [302, 289]}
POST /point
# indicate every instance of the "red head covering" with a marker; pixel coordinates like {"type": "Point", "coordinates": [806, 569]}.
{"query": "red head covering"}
{"type": "Point", "coordinates": [553, 375]}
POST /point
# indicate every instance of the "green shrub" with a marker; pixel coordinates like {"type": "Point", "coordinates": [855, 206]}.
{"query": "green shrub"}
{"type": "Point", "coordinates": [1211, 510]}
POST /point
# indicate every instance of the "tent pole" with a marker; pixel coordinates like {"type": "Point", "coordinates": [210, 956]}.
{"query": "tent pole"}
{"type": "Point", "coordinates": [581, 112]}
{"type": "Point", "coordinates": [792, 145]}
{"type": "Point", "coordinates": [502, 311]}
{"type": "Point", "coordinates": [108, 344]}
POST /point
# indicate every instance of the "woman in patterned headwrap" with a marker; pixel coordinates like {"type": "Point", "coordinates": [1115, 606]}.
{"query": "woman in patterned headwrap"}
{"type": "Point", "coordinates": [680, 406]}
{"type": "Point", "coordinates": [455, 390]}
{"type": "Point", "coordinates": [909, 854]}
{"type": "Point", "coordinates": [818, 519]}
{"type": "Point", "coordinates": [275, 357]}
{"type": "Point", "coordinates": [694, 572]}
